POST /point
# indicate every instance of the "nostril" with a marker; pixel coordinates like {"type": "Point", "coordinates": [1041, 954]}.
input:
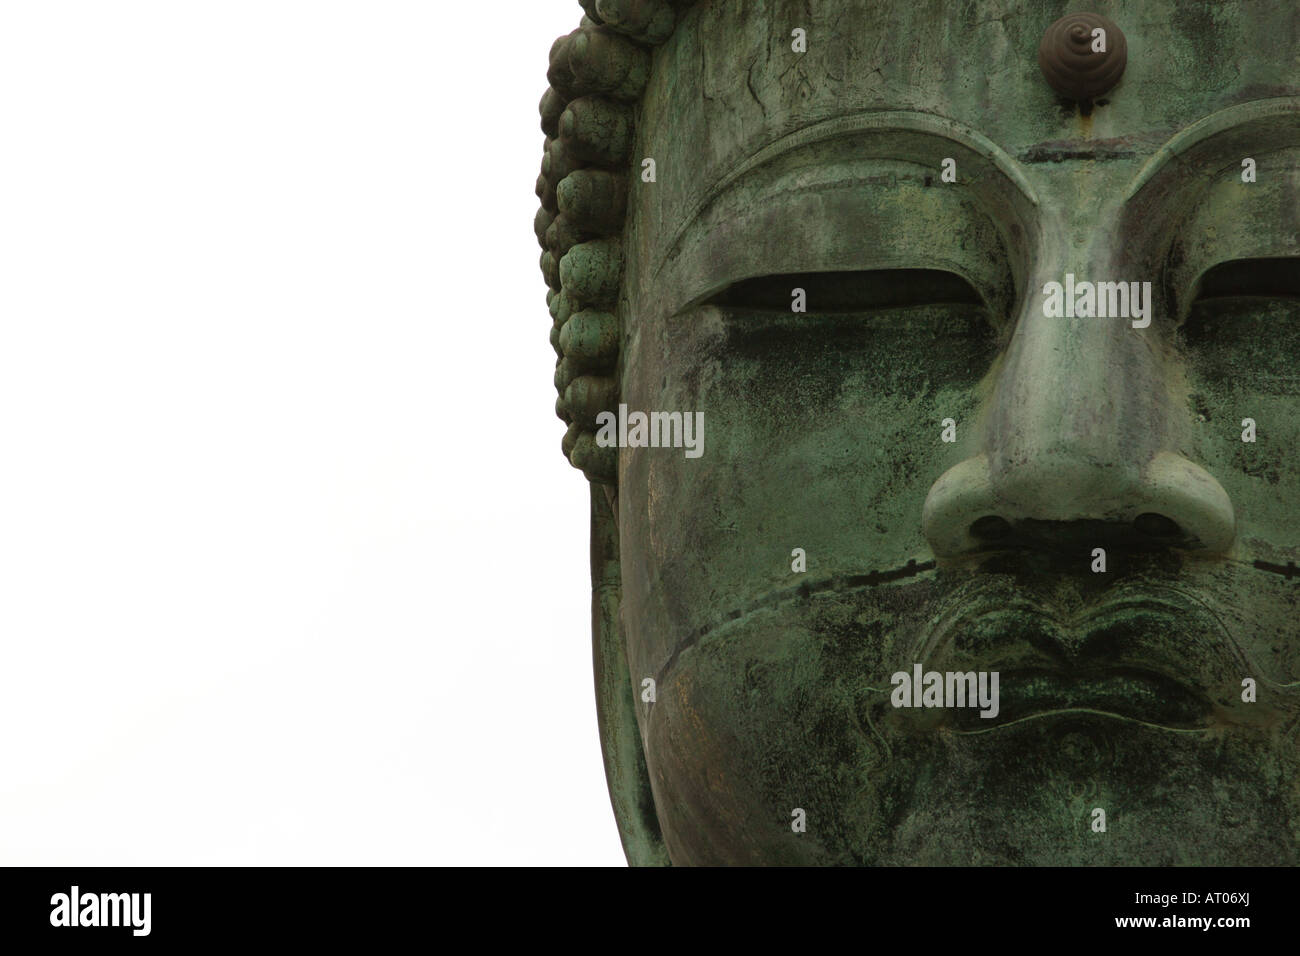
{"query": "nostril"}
{"type": "Point", "coordinates": [1156, 525]}
{"type": "Point", "coordinates": [990, 528]}
{"type": "Point", "coordinates": [1053, 502]}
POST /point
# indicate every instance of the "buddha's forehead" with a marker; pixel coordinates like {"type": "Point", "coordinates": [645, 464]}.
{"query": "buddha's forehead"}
{"type": "Point", "coordinates": [728, 84]}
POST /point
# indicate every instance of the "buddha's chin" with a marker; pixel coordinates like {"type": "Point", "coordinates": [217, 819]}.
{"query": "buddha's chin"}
{"type": "Point", "coordinates": [1059, 789]}
{"type": "Point", "coordinates": [788, 717]}
{"type": "Point", "coordinates": [1071, 788]}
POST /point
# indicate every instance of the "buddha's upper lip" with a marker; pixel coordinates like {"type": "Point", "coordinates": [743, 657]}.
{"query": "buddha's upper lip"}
{"type": "Point", "coordinates": [1141, 656]}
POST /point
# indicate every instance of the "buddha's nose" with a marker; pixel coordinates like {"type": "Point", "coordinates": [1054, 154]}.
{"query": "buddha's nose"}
{"type": "Point", "coordinates": [1077, 445]}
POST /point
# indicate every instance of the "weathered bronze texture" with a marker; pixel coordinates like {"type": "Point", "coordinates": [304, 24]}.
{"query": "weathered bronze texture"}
{"type": "Point", "coordinates": [906, 167]}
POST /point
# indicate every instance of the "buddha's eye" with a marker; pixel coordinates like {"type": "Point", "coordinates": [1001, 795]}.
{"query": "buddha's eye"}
{"type": "Point", "coordinates": [1243, 327]}
{"type": "Point", "coordinates": [848, 292]}
{"type": "Point", "coordinates": [1243, 289]}
{"type": "Point", "coordinates": [902, 330]}
{"type": "Point", "coordinates": [1259, 278]}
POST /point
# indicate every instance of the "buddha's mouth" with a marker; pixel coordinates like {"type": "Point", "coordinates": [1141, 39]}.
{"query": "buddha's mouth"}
{"type": "Point", "coordinates": [1144, 656]}
{"type": "Point", "coordinates": [1145, 697]}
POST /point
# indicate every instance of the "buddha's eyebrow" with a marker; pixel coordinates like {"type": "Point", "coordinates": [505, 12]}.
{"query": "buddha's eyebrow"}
{"type": "Point", "coordinates": [886, 134]}
{"type": "Point", "coordinates": [1235, 131]}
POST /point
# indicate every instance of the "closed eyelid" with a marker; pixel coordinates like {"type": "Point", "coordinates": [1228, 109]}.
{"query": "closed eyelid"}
{"type": "Point", "coordinates": [1274, 277]}
{"type": "Point", "coordinates": [848, 291]}
{"type": "Point", "coordinates": [848, 238]}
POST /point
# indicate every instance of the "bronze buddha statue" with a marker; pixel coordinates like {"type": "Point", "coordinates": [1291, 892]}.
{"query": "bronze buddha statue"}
{"type": "Point", "coordinates": [991, 332]}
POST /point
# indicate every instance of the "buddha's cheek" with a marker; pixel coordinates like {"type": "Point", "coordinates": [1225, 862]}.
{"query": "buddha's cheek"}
{"type": "Point", "coordinates": [764, 724]}
{"type": "Point", "coordinates": [822, 438]}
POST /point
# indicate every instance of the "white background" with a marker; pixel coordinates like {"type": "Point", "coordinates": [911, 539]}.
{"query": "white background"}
{"type": "Point", "coordinates": [291, 568]}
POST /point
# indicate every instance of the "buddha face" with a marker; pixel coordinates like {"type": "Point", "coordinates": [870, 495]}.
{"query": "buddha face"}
{"type": "Point", "coordinates": [976, 480]}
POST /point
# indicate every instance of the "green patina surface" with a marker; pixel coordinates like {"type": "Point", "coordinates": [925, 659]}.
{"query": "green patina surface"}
{"type": "Point", "coordinates": [1120, 690]}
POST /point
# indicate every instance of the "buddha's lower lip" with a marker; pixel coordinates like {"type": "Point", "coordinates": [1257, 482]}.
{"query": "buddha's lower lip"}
{"type": "Point", "coordinates": [1142, 696]}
